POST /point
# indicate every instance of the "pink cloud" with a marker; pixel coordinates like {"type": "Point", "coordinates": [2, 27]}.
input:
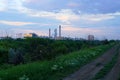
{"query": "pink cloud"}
{"type": "Point", "coordinates": [16, 23]}
{"type": "Point", "coordinates": [33, 1]}
{"type": "Point", "coordinates": [73, 4]}
{"type": "Point", "coordinates": [82, 30]}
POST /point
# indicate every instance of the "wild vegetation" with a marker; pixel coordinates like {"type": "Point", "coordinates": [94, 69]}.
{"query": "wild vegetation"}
{"type": "Point", "coordinates": [46, 59]}
{"type": "Point", "coordinates": [18, 51]}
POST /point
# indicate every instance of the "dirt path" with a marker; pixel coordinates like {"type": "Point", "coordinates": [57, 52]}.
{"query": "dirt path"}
{"type": "Point", "coordinates": [115, 72]}
{"type": "Point", "coordinates": [88, 71]}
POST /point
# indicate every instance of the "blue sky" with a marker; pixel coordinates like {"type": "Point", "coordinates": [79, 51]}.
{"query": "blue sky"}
{"type": "Point", "coordinates": [78, 18]}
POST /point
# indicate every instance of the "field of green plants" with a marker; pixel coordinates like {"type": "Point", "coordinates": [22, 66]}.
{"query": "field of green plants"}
{"type": "Point", "coordinates": [56, 68]}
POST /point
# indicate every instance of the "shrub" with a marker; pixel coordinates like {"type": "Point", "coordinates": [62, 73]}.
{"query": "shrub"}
{"type": "Point", "coordinates": [15, 57]}
{"type": "Point", "coordinates": [3, 55]}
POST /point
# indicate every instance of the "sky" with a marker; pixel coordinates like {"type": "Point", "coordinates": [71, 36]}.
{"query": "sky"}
{"type": "Point", "coordinates": [78, 18]}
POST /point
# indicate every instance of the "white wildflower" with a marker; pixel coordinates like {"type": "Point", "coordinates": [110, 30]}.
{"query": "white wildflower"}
{"type": "Point", "coordinates": [54, 67]}
{"type": "Point", "coordinates": [24, 77]}
{"type": "Point", "coordinates": [93, 54]}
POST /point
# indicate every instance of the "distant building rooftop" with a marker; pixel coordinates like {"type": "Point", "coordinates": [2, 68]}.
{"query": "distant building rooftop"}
{"type": "Point", "coordinates": [30, 35]}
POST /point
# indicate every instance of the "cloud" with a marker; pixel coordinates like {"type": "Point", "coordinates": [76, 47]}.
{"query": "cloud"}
{"type": "Point", "coordinates": [73, 4]}
{"type": "Point", "coordinates": [68, 15]}
{"type": "Point", "coordinates": [3, 5]}
{"type": "Point", "coordinates": [97, 17]}
{"type": "Point", "coordinates": [71, 28]}
{"type": "Point", "coordinates": [33, 1]}
{"type": "Point", "coordinates": [15, 23]}
{"type": "Point", "coordinates": [63, 15]}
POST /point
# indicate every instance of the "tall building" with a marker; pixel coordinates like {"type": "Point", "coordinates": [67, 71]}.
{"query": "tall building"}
{"type": "Point", "coordinates": [59, 31]}
{"type": "Point", "coordinates": [90, 37]}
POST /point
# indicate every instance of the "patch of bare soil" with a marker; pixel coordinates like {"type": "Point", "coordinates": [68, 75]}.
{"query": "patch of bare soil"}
{"type": "Point", "coordinates": [88, 71]}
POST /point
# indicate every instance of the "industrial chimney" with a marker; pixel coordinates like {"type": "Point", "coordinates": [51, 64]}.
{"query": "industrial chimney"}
{"type": "Point", "coordinates": [59, 31]}
{"type": "Point", "coordinates": [55, 35]}
{"type": "Point", "coordinates": [49, 33]}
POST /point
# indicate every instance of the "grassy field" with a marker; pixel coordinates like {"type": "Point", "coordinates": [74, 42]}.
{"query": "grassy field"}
{"type": "Point", "coordinates": [55, 69]}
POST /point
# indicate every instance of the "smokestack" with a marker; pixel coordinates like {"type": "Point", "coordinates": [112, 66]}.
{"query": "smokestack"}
{"type": "Point", "coordinates": [59, 31]}
{"type": "Point", "coordinates": [55, 35]}
{"type": "Point", "coordinates": [49, 33]}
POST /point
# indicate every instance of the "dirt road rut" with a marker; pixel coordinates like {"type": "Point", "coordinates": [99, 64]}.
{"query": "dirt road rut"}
{"type": "Point", "coordinates": [115, 72]}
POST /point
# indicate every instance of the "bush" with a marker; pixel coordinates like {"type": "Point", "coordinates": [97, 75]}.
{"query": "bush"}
{"type": "Point", "coordinates": [3, 55]}
{"type": "Point", "coordinates": [15, 56]}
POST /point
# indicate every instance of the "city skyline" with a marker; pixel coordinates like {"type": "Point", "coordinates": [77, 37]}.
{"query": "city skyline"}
{"type": "Point", "coordinates": [78, 18]}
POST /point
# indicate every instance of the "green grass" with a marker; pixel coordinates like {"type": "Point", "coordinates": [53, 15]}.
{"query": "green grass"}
{"type": "Point", "coordinates": [119, 76]}
{"type": "Point", "coordinates": [55, 69]}
{"type": "Point", "coordinates": [5, 66]}
{"type": "Point", "coordinates": [107, 68]}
